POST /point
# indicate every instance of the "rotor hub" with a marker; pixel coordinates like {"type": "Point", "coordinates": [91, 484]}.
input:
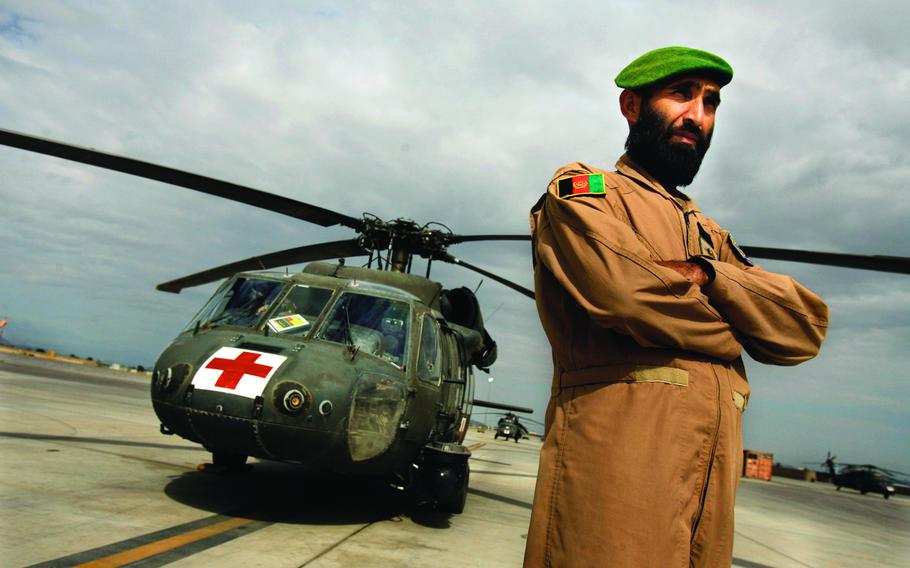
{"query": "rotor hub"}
{"type": "Point", "coordinates": [404, 238]}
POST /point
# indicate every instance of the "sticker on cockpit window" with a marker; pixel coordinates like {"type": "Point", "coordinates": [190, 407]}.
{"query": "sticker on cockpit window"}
{"type": "Point", "coordinates": [284, 323]}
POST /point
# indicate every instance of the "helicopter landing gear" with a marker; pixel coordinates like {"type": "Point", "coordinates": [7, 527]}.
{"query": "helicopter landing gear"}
{"type": "Point", "coordinates": [225, 462]}
{"type": "Point", "coordinates": [443, 476]}
{"type": "Point", "coordinates": [455, 502]}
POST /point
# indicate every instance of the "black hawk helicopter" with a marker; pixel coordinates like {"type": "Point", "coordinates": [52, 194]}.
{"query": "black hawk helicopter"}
{"type": "Point", "coordinates": [360, 370]}
{"type": "Point", "coordinates": [509, 427]}
{"type": "Point", "coordinates": [864, 478]}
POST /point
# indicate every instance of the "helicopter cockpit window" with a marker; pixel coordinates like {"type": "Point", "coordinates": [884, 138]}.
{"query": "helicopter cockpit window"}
{"type": "Point", "coordinates": [299, 310]}
{"type": "Point", "coordinates": [243, 302]}
{"type": "Point", "coordinates": [428, 361]}
{"type": "Point", "coordinates": [378, 326]}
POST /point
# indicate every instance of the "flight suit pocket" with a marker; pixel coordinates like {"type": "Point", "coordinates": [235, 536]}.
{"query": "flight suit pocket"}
{"type": "Point", "coordinates": [706, 246]}
{"type": "Point", "coordinates": [739, 401]}
{"type": "Point", "coordinates": [739, 391]}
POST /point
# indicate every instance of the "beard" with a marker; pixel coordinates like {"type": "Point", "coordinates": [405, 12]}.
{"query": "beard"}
{"type": "Point", "coordinates": [673, 164]}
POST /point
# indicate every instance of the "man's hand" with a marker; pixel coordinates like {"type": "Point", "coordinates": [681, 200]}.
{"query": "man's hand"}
{"type": "Point", "coordinates": [689, 270]}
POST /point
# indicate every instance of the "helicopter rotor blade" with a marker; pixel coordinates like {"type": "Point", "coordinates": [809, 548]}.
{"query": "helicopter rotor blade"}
{"type": "Point", "coordinates": [880, 263]}
{"type": "Point", "coordinates": [518, 288]}
{"type": "Point", "coordinates": [455, 239]}
{"type": "Point", "coordinates": [501, 406]}
{"type": "Point", "coordinates": [172, 176]}
{"type": "Point", "coordinates": [334, 249]}
{"type": "Point", "coordinates": [523, 418]}
{"type": "Point", "coordinates": [895, 472]}
{"type": "Point", "coordinates": [327, 218]}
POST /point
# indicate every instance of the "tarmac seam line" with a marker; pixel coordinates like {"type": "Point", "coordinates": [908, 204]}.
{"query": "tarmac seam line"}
{"type": "Point", "coordinates": [337, 544]}
{"type": "Point", "coordinates": [788, 557]}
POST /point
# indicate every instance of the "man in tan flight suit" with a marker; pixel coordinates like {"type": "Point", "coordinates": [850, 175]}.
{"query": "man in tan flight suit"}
{"type": "Point", "coordinates": [648, 304]}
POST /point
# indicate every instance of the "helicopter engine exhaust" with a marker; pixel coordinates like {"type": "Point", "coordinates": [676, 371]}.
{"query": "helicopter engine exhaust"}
{"type": "Point", "coordinates": [460, 306]}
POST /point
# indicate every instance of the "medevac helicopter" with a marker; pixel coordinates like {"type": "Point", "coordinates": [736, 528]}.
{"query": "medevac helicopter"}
{"type": "Point", "coordinates": [359, 370]}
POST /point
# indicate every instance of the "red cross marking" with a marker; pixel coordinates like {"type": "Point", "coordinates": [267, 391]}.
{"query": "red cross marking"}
{"type": "Point", "coordinates": [234, 369]}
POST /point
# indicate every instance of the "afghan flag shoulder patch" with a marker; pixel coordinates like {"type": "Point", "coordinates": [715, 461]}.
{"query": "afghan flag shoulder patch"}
{"type": "Point", "coordinates": [581, 185]}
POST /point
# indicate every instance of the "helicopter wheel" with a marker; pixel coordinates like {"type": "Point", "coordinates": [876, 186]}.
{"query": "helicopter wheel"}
{"type": "Point", "coordinates": [454, 503]}
{"type": "Point", "coordinates": [228, 460]}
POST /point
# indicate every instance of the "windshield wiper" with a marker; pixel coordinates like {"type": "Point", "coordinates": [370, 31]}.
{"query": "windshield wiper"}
{"type": "Point", "coordinates": [348, 337]}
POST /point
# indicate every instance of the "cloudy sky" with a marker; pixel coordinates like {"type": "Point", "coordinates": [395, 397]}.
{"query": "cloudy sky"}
{"type": "Point", "coordinates": [458, 113]}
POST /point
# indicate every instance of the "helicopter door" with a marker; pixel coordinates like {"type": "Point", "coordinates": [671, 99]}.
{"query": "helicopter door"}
{"type": "Point", "coordinates": [467, 371]}
{"type": "Point", "coordinates": [453, 388]}
{"type": "Point", "coordinates": [429, 374]}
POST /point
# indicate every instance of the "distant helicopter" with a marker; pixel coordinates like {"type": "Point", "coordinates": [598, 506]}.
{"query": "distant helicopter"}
{"type": "Point", "coordinates": [864, 478]}
{"type": "Point", "coordinates": [362, 370]}
{"type": "Point", "coordinates": [509, 427]}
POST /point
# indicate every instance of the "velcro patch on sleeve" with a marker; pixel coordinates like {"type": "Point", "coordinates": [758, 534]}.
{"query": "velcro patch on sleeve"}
{"type": "Point", "coordinates": [581, 185]}
{"type": "Point", "coordinates": [738, 252]}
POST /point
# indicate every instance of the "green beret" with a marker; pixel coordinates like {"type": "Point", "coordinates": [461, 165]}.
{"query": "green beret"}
{"type": "Point", "coordinates": [666, 62]}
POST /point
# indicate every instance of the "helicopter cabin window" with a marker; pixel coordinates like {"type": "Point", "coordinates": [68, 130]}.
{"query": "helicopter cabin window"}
{"type": "Point", "coordinates": [373, 325]}
{"type": "Point", "coordinates": [243, 302]}
{"type": "Point", "coordinates": [428, 361]}
{"type": "Point", "coordinates": [299, 310]}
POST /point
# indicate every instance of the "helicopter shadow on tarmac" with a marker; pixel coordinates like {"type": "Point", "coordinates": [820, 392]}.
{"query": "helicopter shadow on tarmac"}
{"type": "Point", "coordinates": [290, 494]}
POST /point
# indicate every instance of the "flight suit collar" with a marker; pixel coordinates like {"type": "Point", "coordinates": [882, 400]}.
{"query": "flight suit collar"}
{"type": "Point", "coordinates": [627, 167]}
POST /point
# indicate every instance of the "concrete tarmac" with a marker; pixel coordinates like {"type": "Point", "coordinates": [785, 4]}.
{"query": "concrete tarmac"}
{"type": "Point", "coordinates": [87, 480]}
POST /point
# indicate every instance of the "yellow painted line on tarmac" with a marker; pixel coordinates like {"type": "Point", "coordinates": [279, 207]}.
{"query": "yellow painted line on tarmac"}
{"type": "Point", "coordinates": [476, 446]}
{"type": "Point", "coordinates": [163, 545]}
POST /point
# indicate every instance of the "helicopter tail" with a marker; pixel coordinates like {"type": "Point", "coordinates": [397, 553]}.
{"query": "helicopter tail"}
{"type": "Point", "coordinates": [829, 463]}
